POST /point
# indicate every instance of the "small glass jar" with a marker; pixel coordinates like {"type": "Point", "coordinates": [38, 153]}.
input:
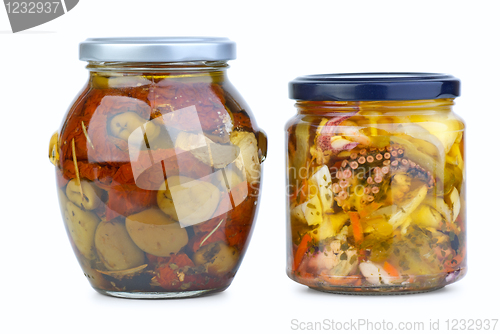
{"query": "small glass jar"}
{"type": "Point", "coordinates": [158, 167]}
{"type": "Point", "coordinates": [376, 183]}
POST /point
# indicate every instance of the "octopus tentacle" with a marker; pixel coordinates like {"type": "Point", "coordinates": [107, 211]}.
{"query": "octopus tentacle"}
{"type": "Point", "coordinates": [372, 170]}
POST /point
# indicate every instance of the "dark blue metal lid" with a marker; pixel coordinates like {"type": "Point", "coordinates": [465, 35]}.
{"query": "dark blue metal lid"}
{"type": "Point", "coordinates": [374, 87]}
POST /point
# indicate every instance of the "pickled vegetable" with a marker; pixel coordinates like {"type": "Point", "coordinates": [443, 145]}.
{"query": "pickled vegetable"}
{"type": "Point", "coordinates": [158, 177]}
{"type": "Point", "coordinates": [377, 204]}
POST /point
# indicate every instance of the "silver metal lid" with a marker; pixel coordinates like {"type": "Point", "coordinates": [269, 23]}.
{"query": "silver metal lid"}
{"type": "Point", "coordinates": [157, 49]}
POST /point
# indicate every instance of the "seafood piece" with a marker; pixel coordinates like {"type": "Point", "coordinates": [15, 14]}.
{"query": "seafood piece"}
{"type": "Point", "coordinates": [248, 160]}
{"type": "Point", "coordinates": [81, 226]}
{"type": "Point", "coordinates": [421, 159]}
{"type": "Point", "coordinates": [407, 208]}
{"type": "Point", "coordinates": [454, 203]}
{"type": "Point", "coordinates": [440, 205]}
{"type": "Point", "coordinates": [374, 273]}
{"type": "Point", "coordinates": [320, 198]}
{"type": "Point", "coordinates": [205, 150]}
{"type": "Point", "coordinates": [331, 225]}
{"type": "Point", "coordinates": [366, 177]}
{"type": "Point", "coordinates": [218, 258]}
{"type": "Point", "coordinates": [310, 211]}
{"type": "Point", "coordinates": [155, 233]}
{"type": "Point", "coordinates": [378, 227]}
{"type": "Point", "coordinates": [446, 130]}
{"type": "Point", "coordinates": [89, 199]}
{"type": "Point", "coordinates": [400, 186]}
{"type": "Point", "coordinates": [415, 253]}
{"type": "Point", "coordinates": [323, 181]}
{"type": "Point", "coordinates": [352, 131]}
{"type": "Point", "coordinates": [115, 247]}
{"type": "Point", "coordinates": [337, 258]}
{"type": "Point", "coordinates": [328, 143]}
{"type": "Point", "coordinates": [299, 153]}
{"type": "Point", "coordinates": [455, 157]}
{"type": "Point", "coordinates": [187, 200]}
{"type": "Point", "coordinates": [427, 142]}
{"type": "Point", "coordinates": [426, 216]}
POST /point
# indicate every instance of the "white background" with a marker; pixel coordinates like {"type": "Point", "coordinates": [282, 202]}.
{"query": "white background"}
{"type": "Point", "coordinates": [43, 288]}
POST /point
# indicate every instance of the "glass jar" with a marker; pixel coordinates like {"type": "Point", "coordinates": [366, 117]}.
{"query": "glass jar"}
{"type": "Point", "coordinates": [376, 183]}
{"type": "Point", "coordinates": [158, 167]}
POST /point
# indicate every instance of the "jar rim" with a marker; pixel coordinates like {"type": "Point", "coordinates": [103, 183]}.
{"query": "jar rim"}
{"type": "Point", "coordinates": [374, 86]}
{"type": "Point", "coordinates": [157, 49]}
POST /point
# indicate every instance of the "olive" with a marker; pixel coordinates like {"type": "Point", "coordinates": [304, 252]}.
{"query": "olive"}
{"type": "Point", "coordinates": [155, 233]}
{"type": "Point", "coordinates": [115, 248]}
{"type": "Point", "coordinates": [217, 257]}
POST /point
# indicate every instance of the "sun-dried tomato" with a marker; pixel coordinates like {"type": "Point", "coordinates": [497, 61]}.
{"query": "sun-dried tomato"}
{"type": "Point", "coordinates": [102, 175]}
{"type": "Point", "coordinates": [168, 162]}
{"type": "Point", "coordinates": [107, 148]}
{"type": "Point", "coordinates": [169, 274]}
{"type": "Point", "coordinates": [243, 121]}
{"type": "Point", "coordinates": [169, 96]}
{"type": "Point", "coordinates": [156, 260]}
{"type": "Point", "coordinates": [237, 222]}
{"type": "Point", "coordinates": [207, 238]}
{"type": "Point", "coordinates": [128, 199]}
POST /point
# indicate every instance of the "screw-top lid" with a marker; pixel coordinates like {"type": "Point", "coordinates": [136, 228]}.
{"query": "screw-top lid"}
{"type": "Point", "coordinates": [374, 87]}
{"type": "Point", "coordinates": [157, 49]}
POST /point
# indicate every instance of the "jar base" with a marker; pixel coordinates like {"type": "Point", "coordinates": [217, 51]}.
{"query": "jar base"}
{"type": "Point", "coordinates": [420, 284]}
{"type": "Point", "coordinates": [376, 292]}
{"type": "Point", "coordinates": [159, 295]}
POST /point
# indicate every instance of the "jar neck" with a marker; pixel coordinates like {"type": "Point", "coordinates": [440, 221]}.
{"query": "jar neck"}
{"type": "Point", "coordinates": [192, 71]}
{"type": "Point", "coordinates": [191, 67]}
{"type": "Point", "coordinates": [377, 107]}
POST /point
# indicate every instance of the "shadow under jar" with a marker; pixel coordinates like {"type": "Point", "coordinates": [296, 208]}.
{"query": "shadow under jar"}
{"type": "Point", "coordinates": [158, 168]}
{"type": "Point", "coordinates": [376, 180]}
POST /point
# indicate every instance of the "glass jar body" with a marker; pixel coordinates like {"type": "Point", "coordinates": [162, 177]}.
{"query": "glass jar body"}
{"type": "Point", "coordinates": [376, 196]}
{"type": "Point", "coordinates": [158, 176]}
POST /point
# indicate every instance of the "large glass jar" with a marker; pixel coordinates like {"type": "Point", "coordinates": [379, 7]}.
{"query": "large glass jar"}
{"type": "Point", "coordinates": [376, 183]}
{"type": "Point", "coordinates": [158, 167]}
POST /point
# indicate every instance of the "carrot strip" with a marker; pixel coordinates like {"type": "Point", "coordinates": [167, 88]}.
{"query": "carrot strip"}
{"type": "Point", "coordinates": [391, 270]}
{"type": "Point", "coordinates": [369, 209]}
{"type": "Point", "coordinates": [301, 251]}
{"type": "Point", "coordinates": [357, 229]}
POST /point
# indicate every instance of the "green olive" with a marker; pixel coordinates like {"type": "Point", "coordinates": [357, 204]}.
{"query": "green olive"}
{"type": "Point", "coordinates": [115, 248]}
{"type": "Point", "coordinates": [81, 226]}
{"type": "Point", "coordinates": [155, 233]}
{"type": "Point", "coordinates": [217, 257]}
{"type": "Point", "coordinates": [188, 201]}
